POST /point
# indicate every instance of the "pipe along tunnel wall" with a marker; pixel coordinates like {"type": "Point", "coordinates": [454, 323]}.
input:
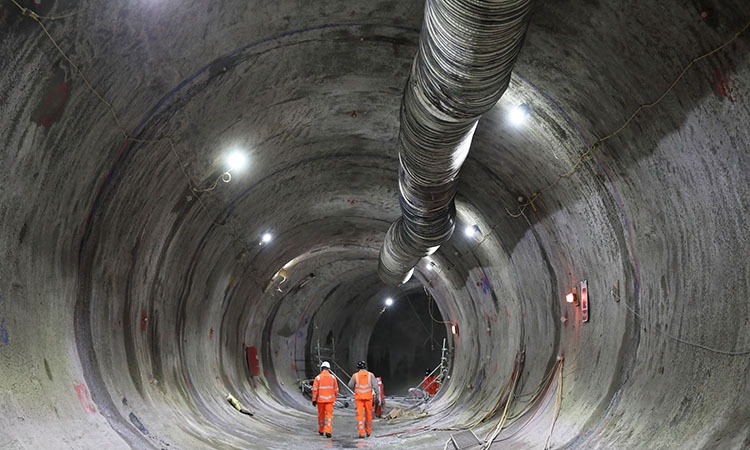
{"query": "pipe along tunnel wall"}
{"type": "Point", "coordinates": [125, 306]}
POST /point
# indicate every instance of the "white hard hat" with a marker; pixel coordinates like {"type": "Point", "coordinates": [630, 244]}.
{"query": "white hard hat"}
{"type": "Point", "coordinates": [325, 365]}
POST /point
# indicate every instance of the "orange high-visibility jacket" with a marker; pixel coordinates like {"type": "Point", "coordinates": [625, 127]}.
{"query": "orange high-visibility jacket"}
{"type": "Point", "coordinates": [325, 388]}
{"type": "Point", "coordinates": [364, 383]}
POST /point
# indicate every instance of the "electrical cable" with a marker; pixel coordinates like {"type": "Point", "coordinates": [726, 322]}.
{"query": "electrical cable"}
{"type": "Point", "coordinates": [429, 308]}
{"type": "Point", "coordinates": [682, 341]}
{"type": "Point", "coordinates": [35, 16]}
{"type": "Point", "coordinates": [499, 401]}
{"type": "Point", "coordinates": [419, 319]}
{"type": "Point", "coordinates": [80, 72]}
{"type": "Point", "coordinates": [559, 248]}
{"type": "Point", "coordinates": [507, 419]}
{"type": "Point", "coordinates": [490, 438]}
{"type": "Point", "coordinates": [539, 405]}
{"type": "Point", "coordinates": [589, 153]}
{"type": "Point", "coordinates": [540, 394]}
{"type": "Point", "coordinates": [121, 129]}
{"type": "Point", "coordinates": [540, 386]}
{"type": "Point", "coordinates": [558, 403]}
{"type": "Point", "coordinates": [225, 177]}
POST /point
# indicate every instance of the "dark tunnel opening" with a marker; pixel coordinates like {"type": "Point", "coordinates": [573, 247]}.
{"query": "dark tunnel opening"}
{"type": "Point", "coordinates": [407, 340]}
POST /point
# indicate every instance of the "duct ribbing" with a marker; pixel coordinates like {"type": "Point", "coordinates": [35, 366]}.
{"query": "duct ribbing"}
{"type": "Point", "coordinates": [466, 53]}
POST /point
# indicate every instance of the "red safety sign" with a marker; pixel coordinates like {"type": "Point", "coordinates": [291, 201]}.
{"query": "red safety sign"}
{"type": "Point", "coordinates": [584, 301]}
{"type": "Point", "coordinates": [252, 361]}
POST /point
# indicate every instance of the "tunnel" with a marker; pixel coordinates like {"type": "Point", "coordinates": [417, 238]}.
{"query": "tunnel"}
{"type": "Point", "coordinates": [594, 293]}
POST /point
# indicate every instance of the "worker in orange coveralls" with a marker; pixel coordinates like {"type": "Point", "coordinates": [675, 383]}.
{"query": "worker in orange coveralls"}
{"type": "Point", "coordinates": [429, 384]}
{"type": "Point", "coordinates": [324, 392]}
{"type": "Point", "coordinates": [363, 383]}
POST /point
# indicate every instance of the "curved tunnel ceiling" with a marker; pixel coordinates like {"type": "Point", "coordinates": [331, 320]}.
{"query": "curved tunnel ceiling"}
{"type": "Point", "coordinates": [127, 303]}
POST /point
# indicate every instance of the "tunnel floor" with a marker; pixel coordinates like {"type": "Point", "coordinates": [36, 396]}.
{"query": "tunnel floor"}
{"type": "Point", "coordinates": [417, 429]}
{"type": "Point", "coordinates": [300, 431]}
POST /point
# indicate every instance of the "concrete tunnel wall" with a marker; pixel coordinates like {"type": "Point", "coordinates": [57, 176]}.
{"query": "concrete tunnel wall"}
{"type": "Point", "coordinates": [120, 295]}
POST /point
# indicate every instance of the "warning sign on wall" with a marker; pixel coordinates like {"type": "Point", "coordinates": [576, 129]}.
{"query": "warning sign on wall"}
{"type": "Point", "coordinates": [252, 361]}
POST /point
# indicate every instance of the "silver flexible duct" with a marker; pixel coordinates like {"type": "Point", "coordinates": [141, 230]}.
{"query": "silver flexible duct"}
{"type": "Point", "coordinates": [466, 52]}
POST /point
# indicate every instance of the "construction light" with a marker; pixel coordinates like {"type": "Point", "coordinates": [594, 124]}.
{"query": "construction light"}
{"type": "Point", "coordinates": [236, 160]}
{"type": "Point", "coordinates": [571, 297]}
{"type": "Point", "coordinates": [388, 301]}
{"type": "Point", "coordinates": [267, 238]}
{"type": "Point", "coordinates": [471, 230]}
{"type": "Point", "coordinates": [518, 115]}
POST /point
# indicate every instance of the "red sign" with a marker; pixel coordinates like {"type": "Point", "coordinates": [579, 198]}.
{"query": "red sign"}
{"type": "Point", "coordinates": [252, 361]}
{"type": "Point", "coordinates": [584, 301]}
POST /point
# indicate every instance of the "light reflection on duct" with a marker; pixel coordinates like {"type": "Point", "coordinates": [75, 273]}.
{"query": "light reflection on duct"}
{"type": "Point", "coordinates": [466, 52]}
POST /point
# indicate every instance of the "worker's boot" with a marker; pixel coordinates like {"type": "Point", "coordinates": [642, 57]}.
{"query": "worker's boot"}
{"type": "Point", "coordinates": [328, 434]}
{"type": "Point", "coordinates": [368, 434]}
{"type": "Point", "coordinates": [321, 433]}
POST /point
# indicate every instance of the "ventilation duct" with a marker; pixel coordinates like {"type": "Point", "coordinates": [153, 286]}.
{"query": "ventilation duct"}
{"type": "Point", "coordinates": [462, 68]}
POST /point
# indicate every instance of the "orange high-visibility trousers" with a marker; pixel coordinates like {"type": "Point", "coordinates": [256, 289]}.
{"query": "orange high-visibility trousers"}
{"type": "Point", "coordinates": [325, 417]}
{"type": "Point", "coordinates": [364, 416]}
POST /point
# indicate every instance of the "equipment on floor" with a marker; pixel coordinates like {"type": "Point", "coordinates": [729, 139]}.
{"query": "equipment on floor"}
{"type": "Point", "coordinates": [236, 405]}
{"type": "Point", "coordinates": [464, 440]}
{"type": "Point", "coordinates": [380, 404]}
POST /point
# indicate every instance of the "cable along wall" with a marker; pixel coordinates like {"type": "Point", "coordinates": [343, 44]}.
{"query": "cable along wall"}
{"type": "Point", "coordinates": [466, 53]}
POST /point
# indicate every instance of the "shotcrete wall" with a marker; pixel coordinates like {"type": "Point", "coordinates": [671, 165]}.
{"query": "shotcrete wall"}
{"type": "Point", "coordinates": [127, 304]}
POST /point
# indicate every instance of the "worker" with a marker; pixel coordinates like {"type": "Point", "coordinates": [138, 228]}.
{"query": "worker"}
{"type": "Point", "coordinates": [236, 405]}
{"type": "Point", "coordinates": [324, 392]}
{"type": "Point", "coordinates": [429, 385]}
{"type": "Point", "coordinates": [364, 383]}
